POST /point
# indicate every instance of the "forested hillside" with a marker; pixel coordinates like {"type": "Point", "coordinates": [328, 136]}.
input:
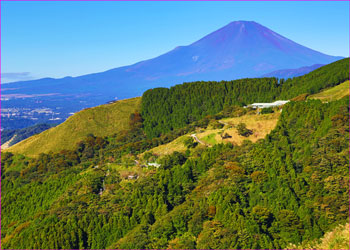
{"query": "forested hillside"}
{"type": "Point", "coordinates": [287, 188]}
{"type": "Point", "coordinates": [95, 184]}
{"type": "Point", "coordinates": [166, 109]}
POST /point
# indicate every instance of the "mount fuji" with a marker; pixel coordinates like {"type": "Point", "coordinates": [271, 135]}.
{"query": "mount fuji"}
{"type": "Point", "coordinates": [240, 49]}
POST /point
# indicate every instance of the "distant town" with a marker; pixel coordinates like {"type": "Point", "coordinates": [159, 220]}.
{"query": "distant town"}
{"type": "Point", "coordinates": [20, 117]}
{"type": "Point", "coordinates": [32, 114]}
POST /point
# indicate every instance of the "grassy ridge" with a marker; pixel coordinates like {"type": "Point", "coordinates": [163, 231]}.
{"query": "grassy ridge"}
{"type": "Point", "coordinates": [332, 94]}
{"type": "Point", "coordinates": [101, 121]}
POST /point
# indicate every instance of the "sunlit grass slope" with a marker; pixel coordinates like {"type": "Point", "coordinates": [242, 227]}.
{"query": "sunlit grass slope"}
{"type": "Point", "coordinates": [332, 94]}
{"type": "Point", "coordinates": [261, 125]}
{"type": "Point", "coordinates": [338, 238]}
{"type": "Point", "coordinates": [101, 121]}
{"type": "Point", "coordinates": [171, 147]}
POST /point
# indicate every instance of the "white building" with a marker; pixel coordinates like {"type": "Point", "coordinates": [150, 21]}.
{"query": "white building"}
{"type": "Point", "coordinates": [267, 105]}
{"type": "Point", "coordinates": [133, 177]}
{"type": "Point", "coordinates": [153, 164]}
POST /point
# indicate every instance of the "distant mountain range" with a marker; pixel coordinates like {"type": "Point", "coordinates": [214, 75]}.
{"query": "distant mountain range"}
{"type": "Point", "coordinates": [289, 73]}
{"type": "Point", "coordinates": [238, 50]}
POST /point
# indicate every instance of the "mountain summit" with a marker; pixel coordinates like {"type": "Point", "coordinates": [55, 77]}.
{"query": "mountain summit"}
{"type": "Point", "coordinates": [238, 50]}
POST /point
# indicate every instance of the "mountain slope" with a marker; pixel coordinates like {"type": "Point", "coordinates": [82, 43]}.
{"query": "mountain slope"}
{"type": "Point", "coordinates": [101, 121]}
{"type": "Point", "coordinates": [165, 110]}
{"type": "Point", "coordinates": [239, 49]}
{"type": "Point", "coordinates": [195, 100]}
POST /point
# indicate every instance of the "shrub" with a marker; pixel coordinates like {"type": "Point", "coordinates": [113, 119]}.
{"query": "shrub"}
{"type": "Point", "coordinates": [243, 130]}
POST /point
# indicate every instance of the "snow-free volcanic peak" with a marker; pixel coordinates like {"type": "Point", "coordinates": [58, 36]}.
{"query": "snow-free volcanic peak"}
{"type": "Point", "coordinates": [238, 50]}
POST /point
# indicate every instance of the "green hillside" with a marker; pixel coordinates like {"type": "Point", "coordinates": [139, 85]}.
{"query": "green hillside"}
{"type": "Point", "coordinates": [103, 120]}
{"type": "Point", "coordinates": [332, 94]}
{"type": "Point", "coordinates": [260, 181]}
{"type": "Point", "coordinates": [166, 109]}
{"type": "Point", "coordinates": [288, 188]}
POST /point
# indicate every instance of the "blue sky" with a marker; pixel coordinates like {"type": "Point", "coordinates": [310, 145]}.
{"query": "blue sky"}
{"type": "Point", "coordinates": [57, 39]}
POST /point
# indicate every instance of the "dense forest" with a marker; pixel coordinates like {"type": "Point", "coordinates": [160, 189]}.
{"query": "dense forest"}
{"type": "Point", "coordinates": [166, 109]}
{"type": "Point", "coordinates": [289, 187]}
